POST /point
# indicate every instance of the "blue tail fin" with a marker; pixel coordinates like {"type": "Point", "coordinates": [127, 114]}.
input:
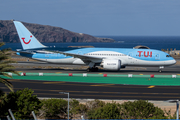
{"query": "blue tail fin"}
{"type": "Point", "coordinates": [28, 41]}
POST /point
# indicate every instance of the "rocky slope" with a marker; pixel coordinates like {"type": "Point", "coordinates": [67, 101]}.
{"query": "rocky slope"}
{"type": "Point", "coordinates": [45, 33]}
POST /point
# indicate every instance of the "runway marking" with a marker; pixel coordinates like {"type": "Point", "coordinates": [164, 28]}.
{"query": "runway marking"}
{"type": "Point", "coordinates": [118, 93]}
{"type": "Point", "coordinates": [52, 82]}
{"type": "Point", "coordinates": [58, 72]}
{"type": "Point", "coordinates": [19, 80]}
{"type": "Point", "coordinates": [109, 92]}
{"type": "Point", "coordinates": [102, 85]}
{"type": "Point", "coordinates": [114, 86]}
{"type": "Point", "coordinates": [151, 86]}
{"type": "Point", "coordinates": [14, 80]}
{"type": "Point", "coordinates": [66, 83]}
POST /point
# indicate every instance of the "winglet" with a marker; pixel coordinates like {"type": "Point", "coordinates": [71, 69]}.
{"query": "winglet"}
{"type": "Point", "coordinates": [28, 41]}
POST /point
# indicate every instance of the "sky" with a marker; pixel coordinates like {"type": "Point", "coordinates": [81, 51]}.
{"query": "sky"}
{"type": "Point", "coordinates": [99, 17]}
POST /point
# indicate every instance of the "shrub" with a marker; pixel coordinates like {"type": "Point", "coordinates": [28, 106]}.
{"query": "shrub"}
{"type": "Point", "coordinates": [76, 108]}
{"type": "Point", "coordinates": [22, 103]}
{"type": "Point", "coordinates": [108, 111]}
{"type": "Point", "coordinates": [141, 109]}
{"type": "Point", "coordinates": [55, 108]}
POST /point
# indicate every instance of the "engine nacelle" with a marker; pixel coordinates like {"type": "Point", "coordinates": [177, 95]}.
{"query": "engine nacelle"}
{"type": "Point", "coordinates": [109, 64]}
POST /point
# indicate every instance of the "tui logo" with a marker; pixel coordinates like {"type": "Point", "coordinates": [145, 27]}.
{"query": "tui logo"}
{"type": "Point", "coordinates": [146, 54]}
{"type": "Point", "coordinates": [25, 41]}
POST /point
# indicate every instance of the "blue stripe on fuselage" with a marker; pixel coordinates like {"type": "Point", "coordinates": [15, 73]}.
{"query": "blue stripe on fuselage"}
{"type": "Point", "coordinates": [145, 54]}
{"type": "Point", "coordinates": [142, 54]}
{"type": "Point", "coordinates": [45, 56]}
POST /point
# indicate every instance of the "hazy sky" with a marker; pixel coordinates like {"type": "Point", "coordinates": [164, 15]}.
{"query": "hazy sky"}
{"type": "Point", "coordinates": [99, 17]}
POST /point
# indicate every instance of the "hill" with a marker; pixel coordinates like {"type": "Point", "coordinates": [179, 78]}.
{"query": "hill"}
{"type": "Point", "coordinates": [45, 33]}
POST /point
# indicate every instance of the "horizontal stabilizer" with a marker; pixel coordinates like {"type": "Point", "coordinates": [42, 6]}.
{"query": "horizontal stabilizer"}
{"type": "Point", "coordinates": [26, 52]}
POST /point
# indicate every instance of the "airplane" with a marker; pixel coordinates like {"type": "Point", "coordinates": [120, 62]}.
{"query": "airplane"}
{"type": "Point", "coordinates": [112, 59]}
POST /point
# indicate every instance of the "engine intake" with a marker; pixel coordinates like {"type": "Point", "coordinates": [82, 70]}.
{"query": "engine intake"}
{"type": "Point", "coordinates": [109, 64]}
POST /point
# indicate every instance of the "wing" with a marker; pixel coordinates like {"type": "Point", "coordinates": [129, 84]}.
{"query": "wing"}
{"type": "Point", "coordinates": [84, 58]}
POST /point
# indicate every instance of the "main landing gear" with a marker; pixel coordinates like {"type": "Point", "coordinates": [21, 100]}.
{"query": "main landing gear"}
{"type": "Point", "coordinates": [93, 69]}
{"type": "Point", "coordinates": [160, 68]}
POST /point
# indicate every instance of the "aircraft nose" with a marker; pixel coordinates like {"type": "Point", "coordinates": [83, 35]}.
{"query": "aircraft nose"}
{"type": "Point", "coordinates": [174, 61]}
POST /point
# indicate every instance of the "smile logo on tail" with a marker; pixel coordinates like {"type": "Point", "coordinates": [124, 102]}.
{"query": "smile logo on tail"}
{"type": "Point", "coordinates": [25, 41]}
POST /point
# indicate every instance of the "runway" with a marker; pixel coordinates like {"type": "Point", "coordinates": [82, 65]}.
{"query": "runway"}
{"type": "Point", "coordinates": [53, 68]}
{"type": "Point", "coordinates": [47, 89]}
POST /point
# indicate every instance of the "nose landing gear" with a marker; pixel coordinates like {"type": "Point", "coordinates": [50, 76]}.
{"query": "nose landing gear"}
{"type": "Point", "coordinates": [160, 68]}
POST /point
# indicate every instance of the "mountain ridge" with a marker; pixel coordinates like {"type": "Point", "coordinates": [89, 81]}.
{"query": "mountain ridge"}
{"type": "Point", "coordinates": [45, 34]}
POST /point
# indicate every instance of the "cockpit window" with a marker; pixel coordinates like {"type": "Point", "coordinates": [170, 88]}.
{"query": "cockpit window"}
{"type": "Point", "coordinates": [168, 55]}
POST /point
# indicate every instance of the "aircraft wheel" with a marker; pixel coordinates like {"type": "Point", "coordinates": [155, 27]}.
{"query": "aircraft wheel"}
{"type": "Point", "coordinates": [89, 70]}
{"type": "Point", "coordinates": [160, 70]}
{"type": "Point", "coordinates": [96, 69]}
{"type": "Point", "coordinates": [92, 69]}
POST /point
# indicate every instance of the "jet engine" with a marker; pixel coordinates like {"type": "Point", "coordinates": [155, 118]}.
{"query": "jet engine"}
{"type": "Point", "coordinates": [109, 64]}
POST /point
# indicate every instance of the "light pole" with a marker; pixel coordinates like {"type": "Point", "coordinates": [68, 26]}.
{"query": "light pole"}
{"type": "Point", "coordinates": [68, 101]}
{"type": "Point", "coordinates": [177, 107]}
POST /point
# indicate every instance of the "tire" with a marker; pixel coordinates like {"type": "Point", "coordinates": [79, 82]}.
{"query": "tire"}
{"type": "Point", "coordinates": [96, 69]}
{"type": "Point", "coordinates": [89, 70]}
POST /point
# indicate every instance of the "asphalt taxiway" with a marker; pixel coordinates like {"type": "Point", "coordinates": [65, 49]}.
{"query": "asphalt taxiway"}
{"type": "Point", "coordinates": [53, 68]}
{"type": "Point", "coordinates": [50, 89]}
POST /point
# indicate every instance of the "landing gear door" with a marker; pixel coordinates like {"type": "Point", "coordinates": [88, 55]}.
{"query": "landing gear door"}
{"type": "Point", "coordinates": [157, 56]}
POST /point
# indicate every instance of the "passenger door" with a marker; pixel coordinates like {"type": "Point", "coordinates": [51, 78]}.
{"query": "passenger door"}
{"type": "Point", "coordinates": [157, 56]}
